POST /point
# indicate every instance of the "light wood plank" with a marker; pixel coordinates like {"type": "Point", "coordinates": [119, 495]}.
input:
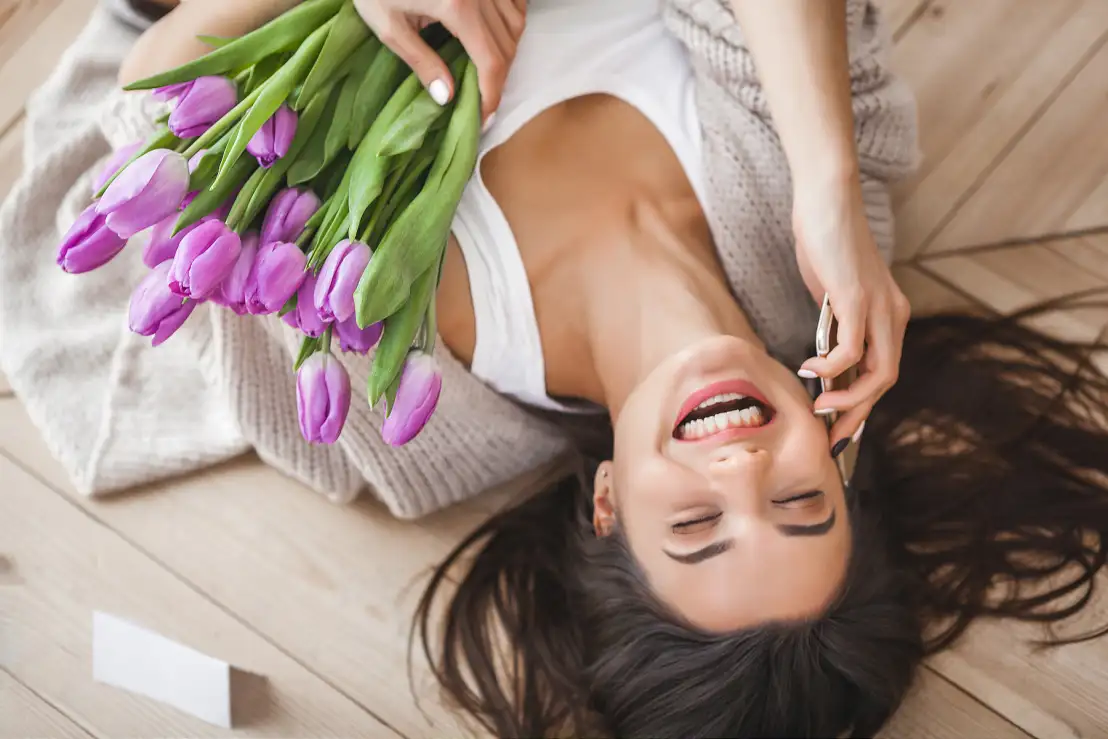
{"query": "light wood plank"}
{"type": "Point", "coordinates": [23, 714]}
{"type": "Point", "coordinates": [62, 565]}
{"type": "Point", "coordinates": [979, 88]}
{"type": "Point", "coordinates": [1013, 278]}
{"type": "Point", "coordinates": [19, 19]}
{"type": "Point", "coordinates": [1049, 693]}
{"type": "Point", "coordinates": [1047, 176]}
{"type": "Point", "coordinates": [335, 586]}
{"type": "Point", "coordinates": [31, 63]}
{"type": "Point", "coordinates": [935, 709]}
{"type": "Point", "coordinates": [898, 13]}
{"type": "Point", "coordinates": [929, 296]}
{"type": "Point", "coordinates": [1093, 211]}
{"type": "Point", "coordinates": [11, 158]}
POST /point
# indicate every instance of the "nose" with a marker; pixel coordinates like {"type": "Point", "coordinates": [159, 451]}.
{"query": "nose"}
{"type": "Point", "coordinates": [747, 461]}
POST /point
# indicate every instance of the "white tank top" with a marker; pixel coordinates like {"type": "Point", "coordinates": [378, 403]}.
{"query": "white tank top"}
{"type": "Point", "coordinates": [570, 48]}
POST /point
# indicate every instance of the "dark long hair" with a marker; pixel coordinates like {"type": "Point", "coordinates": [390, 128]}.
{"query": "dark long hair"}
{"type": "Point", "coordinates": [981, 490]}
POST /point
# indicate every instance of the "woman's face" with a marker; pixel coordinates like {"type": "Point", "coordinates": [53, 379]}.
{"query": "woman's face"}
{"type": "Point", "coordinates": [723, 484]}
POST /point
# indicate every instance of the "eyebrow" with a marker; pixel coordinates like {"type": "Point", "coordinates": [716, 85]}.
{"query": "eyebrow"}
{"type": "Point", "coordinates": [717, 548]}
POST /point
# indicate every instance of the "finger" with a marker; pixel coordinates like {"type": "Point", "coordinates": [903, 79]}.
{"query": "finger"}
{"type": "Point", "coordinates": [865, 388]}
{"type": "Point", "coordinates": [851, 344]}
{"type": "Point", "coordinates": [498, 29]}
{"type": "Point", "coordinates": [399, 34]}
{"type": "Point", "coordinates": [849, 427]}
{"type": "Point", "coordinates": [492, 67]}
{"type": "Point", "coordinates": [514, 13]}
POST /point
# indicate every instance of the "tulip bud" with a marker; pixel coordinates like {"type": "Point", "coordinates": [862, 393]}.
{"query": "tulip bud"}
{"type": "Point", "coordinates": [115, 162]}
{"type": "Point", "coordinates": [288, 213]}
{"type": "Point", "coordinates": [278, 272]}
{"type": "Point", "coordinates": [162, 244]}
{"type": "Point", "coordinates": [171, 92]}
{"type": "Point", "coordinates": [200, 104]}
{"type": "Point", "coordinates": [273, 139]}
{"type": "Point", "coordinates": [322, 398]}
{"type": "Point", "coordinates": [416, 398]}
{"type": "Point", "coordinates": [305, 317]}
{"type": "Point", "coordinates": [155, 311]}
{"type": "Point", "coordinates": [334, 293]}
{"type": "Point", "coordinates": [357, 340]}
{"type": "Point", "coordinates": [147, 191]}
{"type": "Point", "coordinates": [231, 293]}
{"type": "Point", "coordinates": [89, 243]}
{"type": "Point", "coordinates": [204, 259]}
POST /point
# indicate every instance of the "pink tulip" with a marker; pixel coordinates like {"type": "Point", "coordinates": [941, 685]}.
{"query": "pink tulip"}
{"type": "Point", "coordinates": [322, 398]}
{"type": "Point", "coordinates": [273, 139]}
{"type": "Point", "coordinates": [334, 293]}
{"type": "Point", "coordinates": [115, 162]}
{"type": "Point", "coordinates": [305, 317]}
{"type": "Point", "coordinates": [278, 272]}
{"type": "Point", "coordinates": [155, 311]}
{"type": "Point", "coordinates": [416, 398]}
{"type": "Point", "coordinates": [288, 213]}
{"type": "Point", "coordinates": [147, 191]}
{"type": "Point", "coordinates": [89, 243]}
{"type": "Point", "coordinates": [206, 256]}
{"type": "Point", "coordinates": [201, 104]}
{"type": "Point", "coordinates": [232, 291]}
{"type": "Point", "coordinates": [162, 243]}
{"type": "Point", "coordinates": [357, 340]}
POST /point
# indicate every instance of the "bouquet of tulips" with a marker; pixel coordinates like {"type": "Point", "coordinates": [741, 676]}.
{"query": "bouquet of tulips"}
{"type": "Point", "coordinates": [299, 170]}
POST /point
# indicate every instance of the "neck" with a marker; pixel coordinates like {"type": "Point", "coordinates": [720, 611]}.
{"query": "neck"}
{"type": "Point", "coordinates": [645, 299]}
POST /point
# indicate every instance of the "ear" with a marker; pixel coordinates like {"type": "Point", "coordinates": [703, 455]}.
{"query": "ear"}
{"type": "Point", "coordinates": [604, 512]}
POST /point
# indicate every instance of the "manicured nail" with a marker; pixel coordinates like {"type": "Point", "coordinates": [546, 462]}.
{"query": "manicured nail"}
{"type": "Point", "coordinates": [839, 448]}
{"type": "Point", "coordinates": [807, 374]}
{"type": "Point", "coordinates": [488, 122]}
{"type": "Point", "coordinates": [439, 91]}
{"type": "Point", "coordinates": [824, 411]}
{"type": "Point", "coordinates": [858, 434]}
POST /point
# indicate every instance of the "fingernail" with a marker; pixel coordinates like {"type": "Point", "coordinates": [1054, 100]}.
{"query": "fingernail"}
{"type": "Point", "coordinates": [839, 448]}
{"type": "Point", "coordinates": [824, 411]}
{"type": "Point", "coordinates": [807, 374]}
{"type": "Point", "coordinates": [488, 122]}
{"type": "Point", "coordinates": [858, 434]}
{"type": "Point", "coordinates": [439, 92]}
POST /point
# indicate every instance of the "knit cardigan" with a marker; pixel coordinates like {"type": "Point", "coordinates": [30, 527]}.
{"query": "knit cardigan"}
{"type": "Point", "coordinates": [117, 413]}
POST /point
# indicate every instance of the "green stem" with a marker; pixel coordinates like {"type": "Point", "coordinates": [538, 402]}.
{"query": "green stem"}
{"type": "Point", "coordinates": [223, 125]}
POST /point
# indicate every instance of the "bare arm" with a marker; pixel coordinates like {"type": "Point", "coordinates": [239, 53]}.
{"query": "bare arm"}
{"type": "Point", "coordinates": [172, 41]}
{"type": "Point", "coordinates": [799, 47]}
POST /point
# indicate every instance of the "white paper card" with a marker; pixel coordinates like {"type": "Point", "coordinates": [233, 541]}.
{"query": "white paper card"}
{"type": "Point", "coordinates": [135, 659]}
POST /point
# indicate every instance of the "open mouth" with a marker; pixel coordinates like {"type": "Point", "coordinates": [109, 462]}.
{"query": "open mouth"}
{"type": "Point", "coordinates": [722, 411]}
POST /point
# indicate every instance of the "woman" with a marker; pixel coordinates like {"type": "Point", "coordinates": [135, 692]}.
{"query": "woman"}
{"type": "Point", "coordinates": [712, 575]}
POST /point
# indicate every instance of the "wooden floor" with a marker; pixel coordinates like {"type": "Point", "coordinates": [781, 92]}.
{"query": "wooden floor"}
{"type": "Point", "coordinates": [1009, 207]}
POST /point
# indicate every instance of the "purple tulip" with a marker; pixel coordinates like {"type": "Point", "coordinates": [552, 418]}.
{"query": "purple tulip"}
{"type": "Point", "coordinates": [288, 212]}
{"type": "Point", "coordinates": [206, 256]}
{"type": "Point", "coordinates": [147, 191]}
{"type": "Point", "coordinates": [171, 92]}
{"type": "Point", "coordinates": [201, 104]}
{"type": "Point", "coordinates": [232, 291]}
{"type": "Point", "coordinates": [89, 243]}
{"type": "Point", "coordinates": [278, 272]}
{"type": "Point", "coordinates": [416, 398]}
{"type": "Point", "coordinates": [334, 293]}
{"type": "Point", "coordinates": [273, 139]}
{"type": "Point", "coordinates": [155, 311]}
{"type": "Point", "coordinates": [305, 317]}
{"type": "Point", "coordinates": [357, 340]}
{"type": "Point", "coordinates": [115, 162]}
{"type": "Point", "coordinates": [322, 398]}
{"type": "Point", "coordinates": [162, 243]}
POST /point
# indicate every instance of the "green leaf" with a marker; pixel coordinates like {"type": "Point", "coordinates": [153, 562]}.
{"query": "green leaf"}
{"type": "Point", "coordinates": [346, 34]}
{"type": "Point", "coordinates": [209, 200]}
{"type": "Point", "coordinates": [223, 125]}
{"type": "Point", "coordinates": [410, 128]}
{"type": "Point", "coordinates": [216, 42]}
{"type": "Point", "coordinates": [262, 71]}
{"type": "Point", "coordinates": [380, 81]}
{"type": "Point", "coordinates": [339, 130]}
{"type": "Point", "coordinates": [272, 94]}
{"type": "Point", "coordinates": [399, 334]}
{"type": "Point", "coordinates": [288, 307]}
{"type": "Point", "coordinates": [235, 220]}
{"type": "Point", "coordinates": [313, 157]}
{"type": "Point", "coordinates": [402, 196]}
{"type": "Point", "coordinates": [284, 33]}
{"type": "Point", "coordinates": [308, 347]}
{"type": "Point", "coordinates": [390, 393]}
{"type": "Point", "coordinates": [162, 139]}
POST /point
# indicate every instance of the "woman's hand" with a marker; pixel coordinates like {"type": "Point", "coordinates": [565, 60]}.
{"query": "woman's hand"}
{"type": "Point", "coordinates": [838, 257]}
{"type": "Point", "coordinates": [488, 29]}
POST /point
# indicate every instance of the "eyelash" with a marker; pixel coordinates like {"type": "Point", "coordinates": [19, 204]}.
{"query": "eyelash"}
{"type": "Point", "coordinates": [695, 521]}
{"type": "Point", "coordinates": [797, 498]}
{"type": "Point", "coordinates": [707, 519]}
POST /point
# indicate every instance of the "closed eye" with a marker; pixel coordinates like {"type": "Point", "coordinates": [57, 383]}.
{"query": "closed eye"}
{"type": "Point", "coordinates": [798, 498]}
{"type": "Point", "coordinates": [685, 527]}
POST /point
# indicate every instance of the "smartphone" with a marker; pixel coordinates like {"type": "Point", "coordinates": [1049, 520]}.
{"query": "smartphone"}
{"type": "Point", "coordinates": [826, 339]}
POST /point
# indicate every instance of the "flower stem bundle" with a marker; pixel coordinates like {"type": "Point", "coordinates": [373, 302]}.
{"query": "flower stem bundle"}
{"type": "Point", "coordinates": [303, 172]}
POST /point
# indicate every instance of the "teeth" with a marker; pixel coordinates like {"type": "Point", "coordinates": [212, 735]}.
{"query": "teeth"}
{"type": "Point", "coordinates": [747, 418]}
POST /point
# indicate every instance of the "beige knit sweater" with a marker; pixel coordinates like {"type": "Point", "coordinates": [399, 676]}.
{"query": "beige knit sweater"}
{"type": "Point", "coordinates": [117, 413]}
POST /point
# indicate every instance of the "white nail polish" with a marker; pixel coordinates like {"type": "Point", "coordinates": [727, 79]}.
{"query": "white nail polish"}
{"type": "Point", "coordinates": [858, 434]}
{"type": "Point", "coordinates": [824, 411]}
{"type": "Point", "coordinates": [439, 92]}
{"type": "Point", "coordinates": [807, 374]}
{"type": "Point", "coordinates": [488, 122]}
